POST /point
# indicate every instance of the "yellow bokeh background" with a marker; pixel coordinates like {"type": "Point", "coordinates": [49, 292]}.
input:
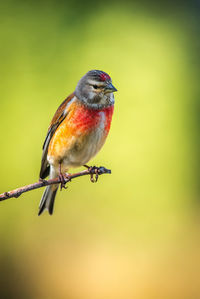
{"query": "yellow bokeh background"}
{"type": "Point", "coordinates": [134, 234]}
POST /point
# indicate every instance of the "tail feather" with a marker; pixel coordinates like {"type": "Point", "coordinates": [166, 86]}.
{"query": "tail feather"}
{"type": "Point", "coordinates": [47, 201]}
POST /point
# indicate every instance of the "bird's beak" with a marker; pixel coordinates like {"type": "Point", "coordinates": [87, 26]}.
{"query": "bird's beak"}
{"type": "Point", "coordinates": [110, 88]}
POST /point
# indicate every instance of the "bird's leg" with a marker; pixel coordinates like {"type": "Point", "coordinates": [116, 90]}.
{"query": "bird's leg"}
{"type": "Point", "coordinates": [93, 170]}
{"type": "Point", "coordinates": [62, 179]}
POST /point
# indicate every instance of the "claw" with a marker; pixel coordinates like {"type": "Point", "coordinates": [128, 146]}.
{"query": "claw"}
{"type": "Point", "coordinates": [93, 170]}
{"type": "Point", "coordinates": [96, 174]}
{"type": "Point", "coordinates": [63, 177]}
{"type": "Point", "coordinates": [92, 178]}
{"type": "Point", "coordinates": [67, 176]}
{"type": "Point", "coordinates": [62, 183]}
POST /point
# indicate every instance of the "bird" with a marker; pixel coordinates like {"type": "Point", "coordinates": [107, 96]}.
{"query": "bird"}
{"type": "Point", "coordinates": [77, 131]}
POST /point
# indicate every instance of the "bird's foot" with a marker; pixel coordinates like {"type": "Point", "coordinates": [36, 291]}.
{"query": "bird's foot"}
{"type": "Point", "coordinates": [63, 177]}
{"type": "Point", "coordinates": [93, 170]}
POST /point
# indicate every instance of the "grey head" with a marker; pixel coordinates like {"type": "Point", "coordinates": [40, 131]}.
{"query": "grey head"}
{"type": "Point", "coordinates": [95, 90]}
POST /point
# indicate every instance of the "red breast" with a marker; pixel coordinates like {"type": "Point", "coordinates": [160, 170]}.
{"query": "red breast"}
{"type": "Point", "coordinates": [79, 122]}
{"type": "Point", "coordinates": [86, 119]}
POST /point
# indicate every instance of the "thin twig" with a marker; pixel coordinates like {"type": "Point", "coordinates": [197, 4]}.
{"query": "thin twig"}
{"type": "Point", "coordinates": [42, 183]}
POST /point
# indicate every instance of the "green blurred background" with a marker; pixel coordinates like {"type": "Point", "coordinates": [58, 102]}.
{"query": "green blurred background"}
{"type": "Point", "coordinates": [134, 234]}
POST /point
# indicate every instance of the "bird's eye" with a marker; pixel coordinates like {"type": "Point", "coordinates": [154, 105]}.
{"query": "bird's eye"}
{"type": "Point", "coordinates": [95, 86]}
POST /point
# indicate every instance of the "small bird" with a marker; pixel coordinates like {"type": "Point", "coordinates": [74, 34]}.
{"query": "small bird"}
{"type": "Point", "coordinates": [77, 131]}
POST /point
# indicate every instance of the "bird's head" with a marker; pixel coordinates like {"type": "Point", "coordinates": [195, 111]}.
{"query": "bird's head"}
{"type": "Point", "coordinates": [95, 90]}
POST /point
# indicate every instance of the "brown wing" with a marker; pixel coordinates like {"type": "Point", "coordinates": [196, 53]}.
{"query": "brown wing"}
{"type": "Point", "coordinates": [59, 116]}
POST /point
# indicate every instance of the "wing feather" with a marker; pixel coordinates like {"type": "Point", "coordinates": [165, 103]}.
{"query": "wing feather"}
{"type": "Point", "coordinates": [59, 116]}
